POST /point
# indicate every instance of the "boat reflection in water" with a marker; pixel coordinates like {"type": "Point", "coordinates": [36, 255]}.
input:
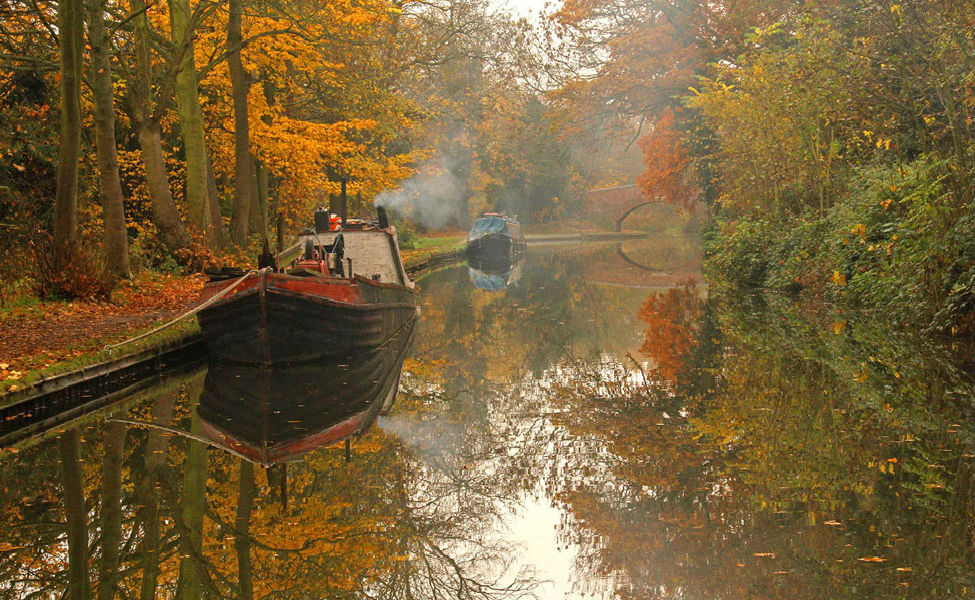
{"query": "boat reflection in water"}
{"type": "Point", "coordinates": [495, 275]}
{"type": "Point", "coordinates": [271, 415]}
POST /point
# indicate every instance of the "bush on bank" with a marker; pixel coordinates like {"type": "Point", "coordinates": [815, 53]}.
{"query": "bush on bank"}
{"type": "Point", "coordinates": [899, 243]}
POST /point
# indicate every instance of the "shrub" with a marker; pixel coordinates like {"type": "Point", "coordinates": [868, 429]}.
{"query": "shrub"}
{"type": "Point", "coordinates": [901, 243]}
{"type": "Point", "coordinates": [905, 244]}
{"type": "Point", "coordinates": [406, 236]}
{"type": "Point", "coordinates": [738, 252]}
{"type": "Point", "coordinates": [68, 274]}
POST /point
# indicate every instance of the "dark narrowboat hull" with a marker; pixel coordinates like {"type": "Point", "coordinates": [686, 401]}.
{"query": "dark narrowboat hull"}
{"type": "Point", "coordinates": [494, 248]}
{"type": "Point", "coordinates": [278, 319]}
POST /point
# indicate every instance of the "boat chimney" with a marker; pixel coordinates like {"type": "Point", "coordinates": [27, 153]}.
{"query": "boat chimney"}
{"type": "Point", "coordinates": [344, 203]}
{"type": "Point", "coordinates": [383, 217]}
{"type": "Point", "coordinates": [321, 220]}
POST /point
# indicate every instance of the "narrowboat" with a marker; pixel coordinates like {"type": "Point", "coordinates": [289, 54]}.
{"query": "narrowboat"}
{"type": "Point", "coordinates": [347, 292]}
{"type": "Point", "coordinates": [495, 237]}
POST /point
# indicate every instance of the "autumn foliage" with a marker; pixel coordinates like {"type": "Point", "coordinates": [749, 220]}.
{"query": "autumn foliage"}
{"type": "Point", "coordinates": [668, 173]}
{"type": "Point", "coordinates": [671, 334]}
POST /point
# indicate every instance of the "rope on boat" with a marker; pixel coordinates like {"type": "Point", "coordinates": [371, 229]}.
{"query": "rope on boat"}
{"type": "Point", "coordinates": [189, 313]}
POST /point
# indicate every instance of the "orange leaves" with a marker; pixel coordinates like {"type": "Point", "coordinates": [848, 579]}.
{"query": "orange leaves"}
{"type": "Point", "coordinates": [668, 173]}
{"type": "Point", "coordinates": [671, 317]}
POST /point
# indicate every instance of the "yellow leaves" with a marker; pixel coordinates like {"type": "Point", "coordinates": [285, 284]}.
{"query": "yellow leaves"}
{"type": "Point", "coordinates": [872, 559]}
{"type": "Point", "coordinates": [838, 279]}
{"type": "Point", "coordinates": [838, 327]}
{"type": "Point", "coordinates": [10, 374]}
{"type": "Point", "coordinates": [884, 466]}
{"type": "Point", "coordinates": [859, 229]}
{"type": "Point", "coordinates": [764, 554]}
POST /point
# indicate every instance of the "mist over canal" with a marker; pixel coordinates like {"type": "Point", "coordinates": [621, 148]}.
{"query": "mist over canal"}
{"type": "Point", "coordinates": [597, 422]}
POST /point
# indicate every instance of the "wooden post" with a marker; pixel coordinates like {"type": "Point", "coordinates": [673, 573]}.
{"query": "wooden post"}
{"type": "Point", "coordinates": [280, 226]}
{"type": "Point", "coordinates": [344, 201]}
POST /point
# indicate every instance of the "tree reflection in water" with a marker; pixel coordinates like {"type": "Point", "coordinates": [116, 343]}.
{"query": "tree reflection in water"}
{"type": "Point", "coordinates": [186, 521]}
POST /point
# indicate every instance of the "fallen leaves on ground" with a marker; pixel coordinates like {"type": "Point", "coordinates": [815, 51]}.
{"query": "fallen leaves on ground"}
{"type": "Point", "coordinates": [36, 336]}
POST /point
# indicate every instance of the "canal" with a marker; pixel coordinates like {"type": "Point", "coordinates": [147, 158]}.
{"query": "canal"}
{"type": "Point", "coordinates": [594, 422]}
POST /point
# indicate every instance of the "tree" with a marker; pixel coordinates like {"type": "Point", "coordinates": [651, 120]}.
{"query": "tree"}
{"type": "Point", "coordinates": [69, 151]}
{"type": "Point", "coordinates": [116, 235]}
{"type": "Point", "coordinates": [146, 116]}
{"type": "Point", "coordinates": [245, 181]}
{"type": "Point", "coordinates": [201, 204]}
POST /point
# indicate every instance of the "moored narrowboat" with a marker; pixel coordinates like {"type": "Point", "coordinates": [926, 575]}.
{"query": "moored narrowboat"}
{"type": "Point", "coordinates": [348, 292]}
{"type": "Point", "coordinates": [495, 237]}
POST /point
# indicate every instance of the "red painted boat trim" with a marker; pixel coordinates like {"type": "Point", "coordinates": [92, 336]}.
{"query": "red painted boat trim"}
{"type": "Point", "coordinates": [334, 290]}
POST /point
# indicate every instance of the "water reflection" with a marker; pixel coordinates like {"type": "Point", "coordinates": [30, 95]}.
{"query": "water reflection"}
{"type": "Point", "coordinates": [572, 437]}
{"type": "Point", "coordinates": [269, 415]}
{"type": "Point", "coordinates": [494, 276]}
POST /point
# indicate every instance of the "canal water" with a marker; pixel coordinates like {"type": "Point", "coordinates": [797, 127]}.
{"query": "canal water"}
{"type": "Point", "coordinates": [592, 422]}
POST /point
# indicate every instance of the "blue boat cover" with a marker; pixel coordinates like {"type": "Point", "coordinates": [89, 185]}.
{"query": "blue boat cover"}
{"type": "Point", "coordinates": [487, 225]}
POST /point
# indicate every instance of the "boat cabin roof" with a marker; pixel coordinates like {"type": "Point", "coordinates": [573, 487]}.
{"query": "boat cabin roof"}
{"type": "Point", "coordinates": [494, 223]}
{"type": "Point", "coordinates": [374, 253]}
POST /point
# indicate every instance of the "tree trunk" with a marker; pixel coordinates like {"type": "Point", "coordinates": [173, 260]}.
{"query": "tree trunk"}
{"type": "Point", "coordinates": [109, 184]}
{"type": "Point", "coordinates": [111, 525]}
{"type": "Point", "coordinates": [69, 447]}
{"type": "Point", "coordinates": [259, 206]}
{"type": "Point", "coordinates": [165, 215]}
{"type": "Point", "coordinates": [164, 212]}
{"type": "Point", "coordinates": [191, 124]}
{"type": "Point", "coordinates": [216, 218]}
{"type": "Point", "coordinates": [157, 446]}
{"type": "Point", "coordinates": [69, 147]}
{"type": "Point", "coordinates": [242, 543]}
{"type": "Point", "coordinates": [193, 507]}
{"type": "Point", "coordinates": [244, 183]}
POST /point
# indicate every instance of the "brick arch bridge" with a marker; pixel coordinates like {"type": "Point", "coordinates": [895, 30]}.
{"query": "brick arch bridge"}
{"type": "Point", "coordinates": [614, 204]}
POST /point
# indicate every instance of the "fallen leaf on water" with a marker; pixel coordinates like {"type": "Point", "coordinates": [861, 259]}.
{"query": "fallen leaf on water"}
{"type": "Point", "coordinates": [764, 554]}
{"type": "Point", "coordinates": [833, 523]}
{"type": "Point", "coordinates": [904, 569]}
{"type": "Point", "coordinates": [872, 559]}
